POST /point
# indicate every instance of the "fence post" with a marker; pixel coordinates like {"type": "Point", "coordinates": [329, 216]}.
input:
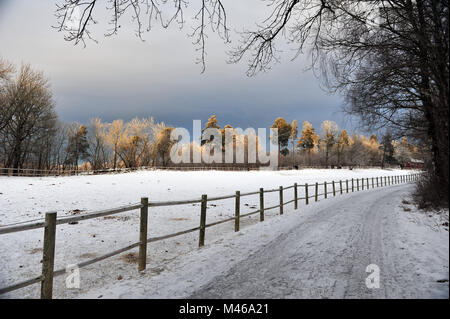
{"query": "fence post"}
{"type": "Point", "coordinates": [306, 194]}
{"type": "Point", "coordinates": [143, 235]}
{"type": "Point", "coordinates": [346, 184]}
{"type": "Point", "coordinates": [353, 185]}
{"type": "Point", "coordinates": [367, 181]}
{"type": "Point", "coordinates": [261, 204]}
{"type": "Point", "coordinates": [237, 211]}
{"type": "Point", "coordinates": [316, 192]}
{"type": "Point", "coordinates": [340, 186]}
{"type": "Point", "coordinates": [295, 196]}
{"type": "Point", "coordinates": [377, 182]}
{"type": "Point", "coordinates": [373, 184]}
{"type": "Point", "coordinates": [48, 256]}
{"type": "Point", "coordinates": [325, 189]}
{"type": "Point", "coordinates": [362, 183]}
{"type": "Point", "coordinates": [334, 189]}
{"type": "Point", "coordinates": [281, 200]}
{"type": "Point", "coordinates": [201, 239]}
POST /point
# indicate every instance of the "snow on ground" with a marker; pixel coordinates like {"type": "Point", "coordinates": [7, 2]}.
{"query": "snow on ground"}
{"type": "Point", "coordinates": [27, 198]}
{"type": "Point", "coordinates": [319, 251]}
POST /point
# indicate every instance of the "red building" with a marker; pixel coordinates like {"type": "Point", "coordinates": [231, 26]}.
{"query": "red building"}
{"type": "Point", "coordinates": [414, 164]}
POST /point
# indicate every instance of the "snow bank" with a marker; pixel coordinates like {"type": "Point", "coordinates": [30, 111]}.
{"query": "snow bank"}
{"type": "Point", "coordinates": [28, 198]}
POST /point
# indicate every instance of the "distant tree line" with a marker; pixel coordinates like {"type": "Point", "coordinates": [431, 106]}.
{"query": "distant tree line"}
{"type": "Point", "coordinates": [31, 136]}
{"type": "Point", "coordinates": [332, 147]}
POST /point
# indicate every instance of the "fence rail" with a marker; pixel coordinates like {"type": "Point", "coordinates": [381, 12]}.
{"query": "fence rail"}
{"type": "Point", "coordinates": [59, 171]}
{"type": "Point", "coordinates": [51, 221]}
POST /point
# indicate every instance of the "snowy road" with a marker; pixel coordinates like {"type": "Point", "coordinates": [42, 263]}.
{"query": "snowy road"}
{"type": "Point", "coordinates": [319, 251]}
{"type": "Point", "coordinates": [324, 256]}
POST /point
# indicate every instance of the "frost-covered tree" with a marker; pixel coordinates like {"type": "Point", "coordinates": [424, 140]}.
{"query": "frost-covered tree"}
{"type": "Point", "coordinates": [328, 138]}
{"type": "Point", "coordinates": [308, 139]}
{"type": "Point", "coordinates": [163, 144]}
{"type": "Point", "coordinates": [114, 133]}
{"type": "Point", "coordinates": [402, 151]}
{"type": "Point", "coordinates": [343, 141]}
{"type": "Point", "coordinates": [294, 137]}
{"type": "Point", "coordinates": [212, 123]}
{"type": "Point", "coordinates": [284, 133]}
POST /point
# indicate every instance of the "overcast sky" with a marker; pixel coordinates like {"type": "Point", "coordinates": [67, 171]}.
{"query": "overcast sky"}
{"type": "Point", "coordinates": [123, 77]}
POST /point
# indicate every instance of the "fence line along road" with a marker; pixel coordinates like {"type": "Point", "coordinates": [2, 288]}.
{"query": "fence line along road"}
{"type": "Point", "coordinates": [51, 221]}
{"type": "Point", "coordinates": [58, 171]}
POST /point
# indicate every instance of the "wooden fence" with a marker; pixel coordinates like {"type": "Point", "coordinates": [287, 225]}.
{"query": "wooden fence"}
{"type": "Point", "coordinates": [33, 172]}
{"type": "Point", "coordinates": [51, 221]}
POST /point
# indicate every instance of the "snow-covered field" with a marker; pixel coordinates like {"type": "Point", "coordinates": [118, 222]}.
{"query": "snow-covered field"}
{"type": "Point", "coordinates": [23, 199]}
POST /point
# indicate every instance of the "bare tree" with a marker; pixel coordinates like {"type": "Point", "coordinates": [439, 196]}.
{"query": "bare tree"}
{"type": "Point", "coordinates": [78, 145]}
{"type": "Point", "coordinates": [136, 142]}
{"type": "Point", "coordinates": [113, 136]}
{"type": "Point", "coordinates": [163, 144]}
{"type": "Point", "coordinates": [31, 117]}
{"type": "Point", "coordinates": [76, 17]}
{"type": "Point", "coordinates": [6, 69]}
{"type": "Point", "coordinates": [389, 58]}
{"type": "Point", "coordinates": [96, 137]}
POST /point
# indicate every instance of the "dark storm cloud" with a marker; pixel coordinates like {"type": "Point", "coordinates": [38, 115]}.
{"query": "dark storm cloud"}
{"type": "Point", "coordinates": [122, 77]}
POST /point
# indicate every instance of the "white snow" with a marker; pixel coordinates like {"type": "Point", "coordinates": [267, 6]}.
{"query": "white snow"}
{"type": "Point", "coordinates": [176, 267]}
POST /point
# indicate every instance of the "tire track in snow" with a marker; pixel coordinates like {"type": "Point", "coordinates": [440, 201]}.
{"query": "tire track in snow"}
{"type": "Point", "coordinates": [325, 256]}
